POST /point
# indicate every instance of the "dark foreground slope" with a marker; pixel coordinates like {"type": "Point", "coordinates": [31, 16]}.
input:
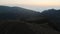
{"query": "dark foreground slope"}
{"type": "Point", "coordinates": [14, 27]}
{"type": "Point", "coordinates": [43, 29]}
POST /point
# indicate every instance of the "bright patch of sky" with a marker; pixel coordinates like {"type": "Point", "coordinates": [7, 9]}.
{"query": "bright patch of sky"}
{"type": "Point", "coordinates": [33, 4]}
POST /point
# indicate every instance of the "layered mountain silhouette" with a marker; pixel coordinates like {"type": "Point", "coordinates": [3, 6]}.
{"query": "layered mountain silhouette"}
{"type": "Point", "coordinates": [51, 16]}
{"type": "Point", "coordinates": [18, 13]}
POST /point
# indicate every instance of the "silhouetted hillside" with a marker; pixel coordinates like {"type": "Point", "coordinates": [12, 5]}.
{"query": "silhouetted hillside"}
{"type": "Point", "coordinates": [14, 12]}
{"type": "Point", "coordinates": [11, 17]}
{"type": "Point", "coordinates": [53, 17]}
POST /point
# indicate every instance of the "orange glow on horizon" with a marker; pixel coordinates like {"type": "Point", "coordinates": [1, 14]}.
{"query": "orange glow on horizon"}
{"type": "Point", "coordinates": [31, 2]}
{"type": "Point", "coordinates": [42, 4]}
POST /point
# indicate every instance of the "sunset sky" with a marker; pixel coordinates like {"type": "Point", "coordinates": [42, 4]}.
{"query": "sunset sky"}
{"type": "Point", "coordinates": [43, 3]}
{"type": "Point", "coordinates": [32, 2]}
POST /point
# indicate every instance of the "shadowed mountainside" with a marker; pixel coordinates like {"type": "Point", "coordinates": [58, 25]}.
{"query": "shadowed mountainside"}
{"type": "Point", "coordinates": [18, 14]}
{"type": "Point", "coordinates": [13, 13]}
{"type": "Point", "coordinates": [53, 17]}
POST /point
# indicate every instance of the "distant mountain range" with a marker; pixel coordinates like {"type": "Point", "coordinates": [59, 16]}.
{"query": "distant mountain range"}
{"type": "Point", "coordinates": [12, 13]}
